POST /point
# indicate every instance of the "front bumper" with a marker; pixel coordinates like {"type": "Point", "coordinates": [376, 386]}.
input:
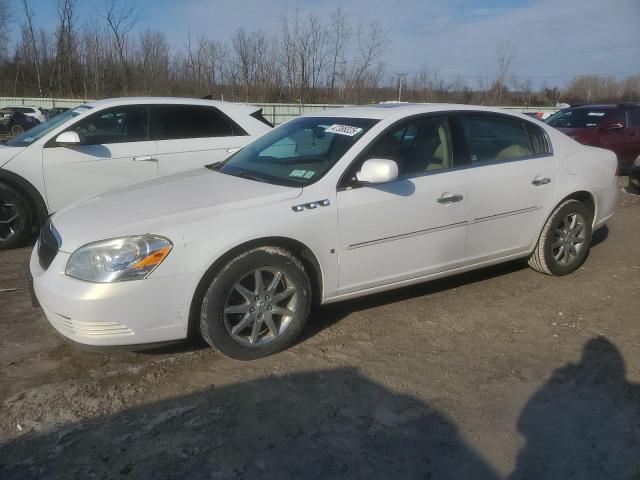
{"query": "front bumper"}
{"type": "Point", "coordinates": [138, 312]}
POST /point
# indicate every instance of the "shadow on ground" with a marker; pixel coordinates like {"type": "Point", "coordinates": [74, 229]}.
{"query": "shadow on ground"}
{"type": "Point", "coordinates": [583, 424]}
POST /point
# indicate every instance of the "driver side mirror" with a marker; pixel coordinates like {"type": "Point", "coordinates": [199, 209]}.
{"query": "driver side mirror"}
{"type": "Point", "coordinates": [68, 139]}
{"type": "Point", "coordinates": [377, 170]}
{"type": "Point", "coordinates": [613, 125]}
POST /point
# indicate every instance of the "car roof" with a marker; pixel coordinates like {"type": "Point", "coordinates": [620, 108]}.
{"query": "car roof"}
{"type": "Point", "coordinates": [600, 106]}
{"type": "Point", "coordinates": [227, 106]}
{"type": "Point", "coordinates": [19, 106]}
{"type": "Point", "coordinates": [397, 109]}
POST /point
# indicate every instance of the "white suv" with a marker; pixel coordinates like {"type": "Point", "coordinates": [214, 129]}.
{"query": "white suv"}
{"type": "Point", "coordinates": [323, 208]}
{"type": "Point", "coordinates": [33, 112]}
{"type": "Point", "coordinates": [101, 145]}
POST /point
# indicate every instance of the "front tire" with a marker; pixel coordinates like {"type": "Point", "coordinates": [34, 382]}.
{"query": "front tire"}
{"type": "Point", "coordinates": [17, 129]}
{"type": "Point", "coordinates": [16, 217]}
{"type": "Point", "coordinates": [257, 304]}
{"type": "Point", "coordinates": [564, 242]}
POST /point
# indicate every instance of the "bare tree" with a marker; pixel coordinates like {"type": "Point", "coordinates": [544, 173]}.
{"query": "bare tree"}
{"type": "Point", "coordinates": [5, 31]}
{"type": "Point", "coordinates": [29, 33]}
{"type": "Point", "coordinates": [338, 36]}
{"type": "Point", "coordinates": [121, 21]}
{"type": "Point", "coordinates": [372, 44]}
{"type": "Point", "coordinates": [505, 55]}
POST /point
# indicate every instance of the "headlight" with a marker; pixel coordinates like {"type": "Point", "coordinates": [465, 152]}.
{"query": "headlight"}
{"type": "Point", "coordinates": [118, 259]}
{"type": "Point", "coordinates": [637, 162]}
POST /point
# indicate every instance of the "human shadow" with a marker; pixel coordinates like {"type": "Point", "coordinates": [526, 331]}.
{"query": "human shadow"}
{"type": "Point", "coordinates": [330, 424]}
{"type": "Point", "coordinates": [584, 423]}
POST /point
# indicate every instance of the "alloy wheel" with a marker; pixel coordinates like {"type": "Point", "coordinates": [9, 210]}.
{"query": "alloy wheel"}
{"type": "Point", "coordinates": [260, 307]}
{"type": "Point", "coordinates": [9, 219]}
{"type": "Point", "coordinates": [569, 239]}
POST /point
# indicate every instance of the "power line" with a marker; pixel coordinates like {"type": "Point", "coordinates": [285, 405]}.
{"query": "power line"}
{"type": "Point", "coordinates": [525, 77]}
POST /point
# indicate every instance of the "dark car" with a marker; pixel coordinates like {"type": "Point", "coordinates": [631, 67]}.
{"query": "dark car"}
{"type": "Point", "coordinates": [14, 123]}
{"type": "Point", "coordinates": [614, 127]}
{"type": "Point", "coordinates": [52, 112]}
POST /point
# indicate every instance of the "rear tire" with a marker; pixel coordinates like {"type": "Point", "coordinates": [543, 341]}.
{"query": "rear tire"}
{"type": "Point", "coordinates": [257, 304]}
{"type": "Point", "coordinates": [564, 242]}
{"type": "Point", "coordinates": [17, 129]}
{"type": "Point", "coordinates": [16, 217]}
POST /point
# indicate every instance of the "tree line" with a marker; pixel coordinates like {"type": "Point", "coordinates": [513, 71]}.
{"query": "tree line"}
{"type": "Point", "coordinates": [308, 58]}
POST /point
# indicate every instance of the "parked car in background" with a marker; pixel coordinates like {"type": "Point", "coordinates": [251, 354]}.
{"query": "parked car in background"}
{"type": "Point", "coordinates": [614, 127]}
{"type": "Point", "coordinates": [14, 123]}
{"type": "Point", "coordinates": [101, 145]}
{"type": "Point", "coordinates": [326, 207]}
{"type": "Point", "coordinates": [52, 112]}
{"type": "Point", "coordinates": [536, 115]}
{"type": "Point", "coordinates": [34, 112]}
{"type": "Point", "coordinates": [634, 176]}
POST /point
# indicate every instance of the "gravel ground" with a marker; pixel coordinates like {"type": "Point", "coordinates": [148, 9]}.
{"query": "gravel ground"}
{"type": "Point", "coordinates": [499, 373]}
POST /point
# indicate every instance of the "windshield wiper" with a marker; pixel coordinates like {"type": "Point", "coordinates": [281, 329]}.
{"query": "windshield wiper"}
{"type": "Point", "coordinates": [248, 176]}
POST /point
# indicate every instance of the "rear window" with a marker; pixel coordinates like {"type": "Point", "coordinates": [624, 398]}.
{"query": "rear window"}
{"type": "Point", "coordinates": [187, 121]}
{"type": "Point", "coordinates": [493, 137]}
{"type": "Point", "coordinates": [578, 118]}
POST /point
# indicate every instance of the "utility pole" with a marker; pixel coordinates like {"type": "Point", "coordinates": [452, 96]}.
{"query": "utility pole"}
{"type": "Point", "coordinates": [400, 78]}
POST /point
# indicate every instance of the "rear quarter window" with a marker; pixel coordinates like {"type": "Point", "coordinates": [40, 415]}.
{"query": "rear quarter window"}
{"type": "Point", "coordinates": [192, 121]}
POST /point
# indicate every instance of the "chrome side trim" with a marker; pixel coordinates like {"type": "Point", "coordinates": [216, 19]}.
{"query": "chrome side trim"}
{"type": "Point", "coordinates": [506, 214]}
{"type": "Point", "coordinates": [406, 235]}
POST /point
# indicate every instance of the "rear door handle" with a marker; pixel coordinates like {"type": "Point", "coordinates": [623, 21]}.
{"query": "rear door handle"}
{"type": "Point", "coordinates": [145, 158]}
{"type": "Point", "coordinates": [450, 198]}
{"type": "Point", "coordinates": [540, 180]}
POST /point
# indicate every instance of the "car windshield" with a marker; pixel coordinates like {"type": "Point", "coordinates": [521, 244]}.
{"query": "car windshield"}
{"type": "Point", "coordinates": [577, 118]}
{"type": "Point", "coordinates": [297, 153]}
{"type": "Point", "coordinates": [27, 138]}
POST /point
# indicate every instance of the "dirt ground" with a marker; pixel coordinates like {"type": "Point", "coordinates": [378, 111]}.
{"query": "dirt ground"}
{"type": "Point", "coordinates": [499, 373]}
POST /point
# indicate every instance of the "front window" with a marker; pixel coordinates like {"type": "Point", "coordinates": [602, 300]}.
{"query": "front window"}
{"type": "Point", "coordinates": [36, 133]}
{"type": "Point", "coordinates": [577, 118]}
{"type": "Point", "coordinates": [299, 152]}
{"type": "Point", "coordinates": [115, 125]}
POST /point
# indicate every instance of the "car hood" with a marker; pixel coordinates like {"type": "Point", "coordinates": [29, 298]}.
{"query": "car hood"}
{"type": "Point", "coordinates": [162, 203]}
{"type": "Point", "coordinates": [7, 153]}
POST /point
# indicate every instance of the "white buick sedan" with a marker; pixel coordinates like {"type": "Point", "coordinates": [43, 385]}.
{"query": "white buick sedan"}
{"type": "Point", "coordinates": [324, 208]}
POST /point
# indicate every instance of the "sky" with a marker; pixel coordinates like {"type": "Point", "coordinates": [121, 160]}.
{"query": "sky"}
{"type": "Point", "coordinates": [553, 40]}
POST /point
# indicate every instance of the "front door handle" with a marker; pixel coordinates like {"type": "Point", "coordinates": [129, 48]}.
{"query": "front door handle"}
{"type": "Point", "coordinates": [450, 198]}
{"type": "Point", "coordinates": [145, 158]}
{"type": "Point", "coordinates": [540, 180]}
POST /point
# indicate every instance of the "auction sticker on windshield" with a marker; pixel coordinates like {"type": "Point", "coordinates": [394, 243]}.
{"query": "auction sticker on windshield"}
{"type": "Point", "coordinates": [343, 130]}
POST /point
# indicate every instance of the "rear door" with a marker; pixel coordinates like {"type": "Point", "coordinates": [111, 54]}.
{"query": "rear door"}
{"type": "Point", "coordinates": [512, 181]}
{"type": "Point", "coordinates": [633, 114]}
{"type": "Point", "coordinates": [622, 141]}
{"type": "Point", "coordinates": [115, 149]}
{"type": "Point", "coordinates": [191, 136]}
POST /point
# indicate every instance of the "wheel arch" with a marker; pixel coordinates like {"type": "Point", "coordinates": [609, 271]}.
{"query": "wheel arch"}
{"type": "Point", "coordinates": [299, 249]}
{"type": "Point", "coordinates": [30, 192]}
{"type": "Point", "coordinates": [582, 196]}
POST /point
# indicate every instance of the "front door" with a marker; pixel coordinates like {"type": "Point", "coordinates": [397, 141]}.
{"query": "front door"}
{"type": "Point", "coordinates": [410, 227]}
{"type": "Point", "coordinates": [115, 150]}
